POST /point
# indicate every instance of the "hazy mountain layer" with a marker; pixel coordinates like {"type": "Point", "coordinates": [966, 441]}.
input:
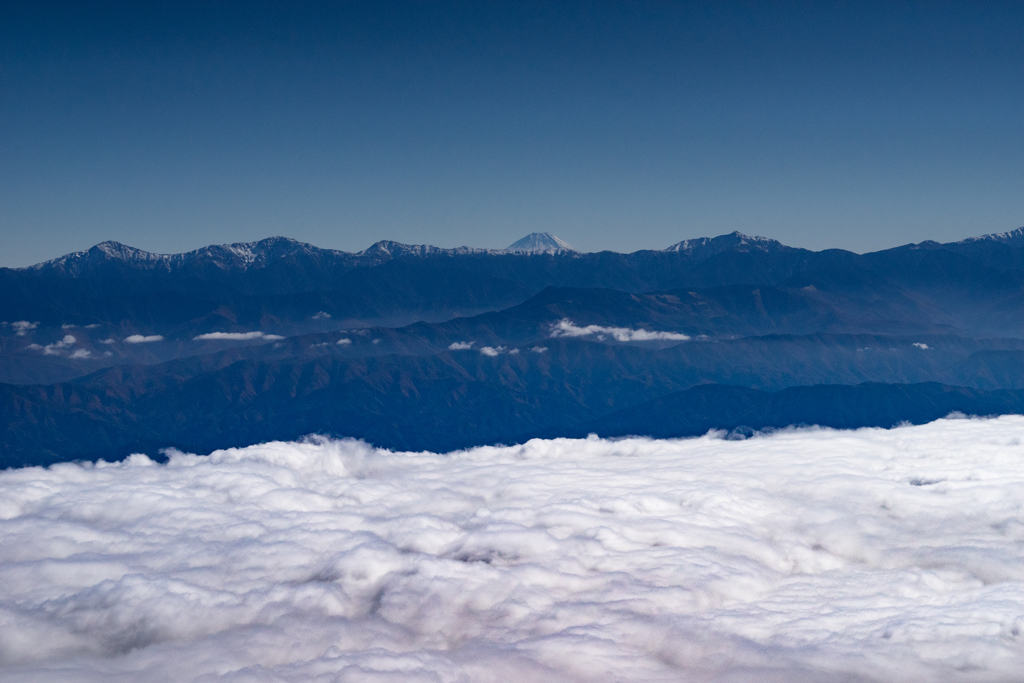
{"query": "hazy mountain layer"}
{"type": "Point", "coordinates": [459, 398]}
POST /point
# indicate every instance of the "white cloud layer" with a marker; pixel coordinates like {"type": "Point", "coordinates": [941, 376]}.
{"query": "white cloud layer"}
{"type": "Point", "coordinates": [144, 339]}
{"type": "Point", "coordinates": [566, 328]}
{"type": "Point", "coordinates": [238, 336]}
{"type": "Point", "coordinates": [811, 555]}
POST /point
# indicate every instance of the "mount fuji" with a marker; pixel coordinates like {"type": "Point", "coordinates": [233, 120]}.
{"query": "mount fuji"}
{"type": "Point", "coordinates": [539, 243]}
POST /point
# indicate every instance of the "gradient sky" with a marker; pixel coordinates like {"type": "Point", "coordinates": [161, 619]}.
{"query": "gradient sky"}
{"type": "Point", "coordinates": [617, 126]}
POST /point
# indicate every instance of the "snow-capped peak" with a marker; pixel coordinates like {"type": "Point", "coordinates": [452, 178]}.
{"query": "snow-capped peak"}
{"type": "Point", "coordinates": [1012, 236]}
{"type": "Point", "coordinates": [539, 243]}
{"type": "Point", "coordinates": [704, 247]}
{"type": "Point", "coordinates": [224, 256]}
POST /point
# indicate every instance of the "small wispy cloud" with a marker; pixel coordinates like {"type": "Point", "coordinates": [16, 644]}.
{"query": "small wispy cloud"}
{"type": "Point", "coordinates": [340, 342]}
{"type": "Point", "coordinates": [81, 353]}
{"type": "Point", "coordinates": [108, 340]}
{"type": "Point", "coordinates": [68, 326]}
{"type": "Point", "coordinates": [143, 339]}
{"type": "Point", "coordinates": [461, 346]}
{"type": "Point", "coordinates": [497, 350]}
{"type": "Point", "coordinates": [237, 336]}
{"type": "Point", "coordinates": [22, 327]}
{"type": "Point", "coordinates": [538, 349]}
{"type": "Point", "coordinates": [322, 315]}
{"type": "Point", "coordinates": [921, 345]}
{"type": "Point", "coordinates": [566, 328]}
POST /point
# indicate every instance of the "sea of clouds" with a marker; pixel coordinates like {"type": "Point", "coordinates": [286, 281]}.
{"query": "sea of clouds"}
{"type": "Point", "coordinates": [806, 555]}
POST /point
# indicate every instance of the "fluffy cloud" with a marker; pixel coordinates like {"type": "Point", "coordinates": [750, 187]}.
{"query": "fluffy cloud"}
{"type": "Point", "coordinates": [460, 346]}
{"type": "Point", "coordinates": [322, 315]}
{"type": "Point", "coordinates": [238, 336]}
{"type": "Point", "coordinates": [566, 328]}
{"type": "Point", "coordinates": [143, 339]}
{"type": "Point", "coordinates": [808, 555]}
{"type": "Point", "coordinates": [22, 327]}
{"type": "Point", "coordinates": [538, 349]}
{"type": "Point", "coordinates": [340, 342]}
{"type": "Point", "coordinates": [921, 345]}
{"type": "Point", "coordinates": [81, 353]}
{"type": "Point", "coordinates": [497, 350]}
{"type": "Point", "coordinates": [56, 348]}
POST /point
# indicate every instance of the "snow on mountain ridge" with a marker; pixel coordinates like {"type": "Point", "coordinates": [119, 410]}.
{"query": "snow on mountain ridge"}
{"type": "Point", "coordinates": [1011, 236]}
{"type": "Point", "coordinates": [398, 249]}
{"type": "Point", "coordinates": [705, 247]}
{"type": "Point", "coordinates": [242, 255]}
{"type": "Point", "coordinates": [246, 255]}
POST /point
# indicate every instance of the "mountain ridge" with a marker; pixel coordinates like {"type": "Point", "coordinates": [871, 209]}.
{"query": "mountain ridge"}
{"type": "Point", "coordinates": [245, 255]}
{"type": "Point", "coordinates": [705, 247]}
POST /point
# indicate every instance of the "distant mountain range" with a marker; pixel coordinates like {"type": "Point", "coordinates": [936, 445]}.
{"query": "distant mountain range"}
{"type": "Point", "coordinates": [113, 349]}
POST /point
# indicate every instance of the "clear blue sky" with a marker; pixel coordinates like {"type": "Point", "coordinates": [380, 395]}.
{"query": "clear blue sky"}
{"type": "Point", "coordinates": [617, 126]}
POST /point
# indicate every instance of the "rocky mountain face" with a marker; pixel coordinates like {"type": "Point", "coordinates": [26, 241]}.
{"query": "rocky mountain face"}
{"type": "Point", "coordinates": [115, 349]}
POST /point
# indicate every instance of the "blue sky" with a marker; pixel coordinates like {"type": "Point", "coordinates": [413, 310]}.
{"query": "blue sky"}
{"type": "Point", "coordinates": [617, 126]}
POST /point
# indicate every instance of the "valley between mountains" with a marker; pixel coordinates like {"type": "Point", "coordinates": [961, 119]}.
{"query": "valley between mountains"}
{"type": "Point", "coordinates": [115, 350]}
